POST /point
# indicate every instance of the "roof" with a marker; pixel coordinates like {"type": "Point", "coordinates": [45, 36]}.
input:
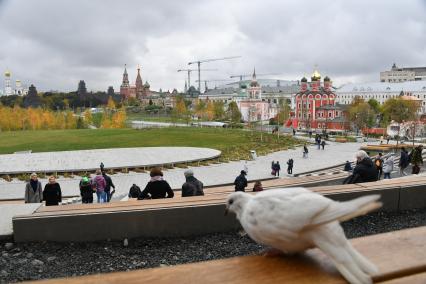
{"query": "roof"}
{"type": "Point", "coordinates": [416, 86]}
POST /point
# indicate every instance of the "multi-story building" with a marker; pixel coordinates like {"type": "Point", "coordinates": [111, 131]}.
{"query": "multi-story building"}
{"type": "Point", "coordinates": [382, 92]}
{"type": "Point", "coordinates": [397, 74]}
{"type": "Point", "coordinates": [258, 100]}
{"type": "Point", "coordinates": [316, 106]}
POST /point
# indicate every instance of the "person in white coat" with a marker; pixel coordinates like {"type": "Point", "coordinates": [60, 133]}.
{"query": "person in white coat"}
{"type": "Point", "coordinates": [388, 165]}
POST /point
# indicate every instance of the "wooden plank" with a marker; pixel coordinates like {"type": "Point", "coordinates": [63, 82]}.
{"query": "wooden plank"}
{"type": "Point", "coordinates": [398, 255]}
{"type": "Point", "coordinates": [419, 278]}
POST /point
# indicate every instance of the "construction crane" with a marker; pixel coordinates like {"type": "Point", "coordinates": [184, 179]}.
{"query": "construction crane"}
{"type": "Point", "coordinates": [241, 76]}
{"type": "Point", "coordinates": [205, 82]}
{"type": "Point", "coordinates": [189, 73]}
{"type": "Point", "coordinates": [198, 62]}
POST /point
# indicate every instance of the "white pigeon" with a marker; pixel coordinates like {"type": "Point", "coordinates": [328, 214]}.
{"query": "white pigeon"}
{"type": "Point", "coordinates": [295, 219]}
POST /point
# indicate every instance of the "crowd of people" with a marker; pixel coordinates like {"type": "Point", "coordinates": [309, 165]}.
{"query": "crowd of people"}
{"type": "Point", "coordinates": [372, 168]}
{"type": "Point", "coordinates": [366, 169]}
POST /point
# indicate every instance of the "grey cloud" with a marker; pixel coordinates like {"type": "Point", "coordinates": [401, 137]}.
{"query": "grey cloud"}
{"type": "Point", "coordinates": [53, 44]}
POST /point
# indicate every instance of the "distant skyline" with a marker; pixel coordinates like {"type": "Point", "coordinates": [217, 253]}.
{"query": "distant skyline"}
{"type": "Point", "coordinates": [54, 44]}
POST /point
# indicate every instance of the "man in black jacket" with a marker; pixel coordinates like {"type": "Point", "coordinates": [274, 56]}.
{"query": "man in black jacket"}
{"type": "Point", "coordinates": [364, 171]}
{"type": "Point", "coordinates": [192, 186]}
{"type": "Point", "coordinates": [241, 182]}
{"type": "Point", "coordinates": [108, 186]}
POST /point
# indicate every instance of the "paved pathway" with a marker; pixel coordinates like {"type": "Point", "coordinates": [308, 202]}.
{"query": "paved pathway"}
{"type": "Point", "coordinates": [90, 159]}
{"type": "Point", "coordinates": [333, 154]}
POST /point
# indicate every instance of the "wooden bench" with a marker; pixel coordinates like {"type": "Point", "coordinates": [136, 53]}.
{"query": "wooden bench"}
{"type": "Point", "coordinates": [151, 218]}
{"type": "Point", "coordinates": [400, 257]}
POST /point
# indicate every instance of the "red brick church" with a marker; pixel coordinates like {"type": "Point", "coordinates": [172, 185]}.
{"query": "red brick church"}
{"type": "Point", "coordinates": [138, 90]}
{"type": "Point", "coordinates": [316, 106]}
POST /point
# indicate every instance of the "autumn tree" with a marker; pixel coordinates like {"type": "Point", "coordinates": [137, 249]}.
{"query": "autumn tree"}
{"type": "Point", "coordinates": [361, 114]}
{"type": "Point", "coordinates": [233, 113]}
{"type": "Point", "coordinates": [219, 110]}
{"type": "Point", "coordinates": [399, 110]}
{"type": "Point", "coordinates": [111, 104]}
{"type": "Point", "coordinates": [209, 113]}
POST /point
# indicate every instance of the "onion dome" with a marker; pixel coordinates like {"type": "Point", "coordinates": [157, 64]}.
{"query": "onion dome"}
{"type": "Point", "coordinates": [316, 76]}
{"type": "Point", "coordinates": [304, 80]}
{"type": "Point", "coordinates": [147, 85]}
{"type": "Point", "coordinates": [327, 79]}
{"type": "Point", "coordinates": [7, 73]}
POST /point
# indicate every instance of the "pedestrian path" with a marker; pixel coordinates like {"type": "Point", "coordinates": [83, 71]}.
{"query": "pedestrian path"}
{"type": "Point", "coordinates": [334, 153]}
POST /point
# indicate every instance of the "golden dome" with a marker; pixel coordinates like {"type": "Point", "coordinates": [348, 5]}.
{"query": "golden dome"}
{"type": "Point", "coordinates": [316, 75]}
{"type": "Point", "coordinates": [7, 73]}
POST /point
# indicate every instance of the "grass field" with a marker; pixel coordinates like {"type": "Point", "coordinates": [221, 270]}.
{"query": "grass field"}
{"type": "Point", "coordinates": [234, 143]}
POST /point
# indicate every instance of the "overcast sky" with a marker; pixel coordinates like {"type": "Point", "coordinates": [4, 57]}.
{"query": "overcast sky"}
{"type": "Point", "coordinates": [54, 44]}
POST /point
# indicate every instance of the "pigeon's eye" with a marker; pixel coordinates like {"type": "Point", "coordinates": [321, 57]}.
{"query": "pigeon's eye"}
{"type": "Point", "coordinates": [231, 201]}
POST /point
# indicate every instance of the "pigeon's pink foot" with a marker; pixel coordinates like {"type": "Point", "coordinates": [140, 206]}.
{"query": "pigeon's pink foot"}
{"type": "Point", "coordinates": [272, 252]}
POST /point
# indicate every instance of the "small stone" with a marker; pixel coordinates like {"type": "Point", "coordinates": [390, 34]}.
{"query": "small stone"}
{"type": "Point", "coordinates": [51, 258]}
{"type": "Point", "coordinates": [30, 255]}
{"type": "Point", "coordinates": [163, 265]}
{"type": "Point", "coordinates": [4, 273]}
{"type": "Point", "coordinates": [37, 262]}
{"type": "Point", "coordinates": [17, 254]}
{"type": "Point", "coordinates": [125, 242]}
{"type": "Point", "coordinates": [5, 254]}
{"type": "Point", "coordinates": [175, 257]}
{"type": "Point", "coordinates": [8, 246]}
{"type": "Point", "coordinates": [22, 261]}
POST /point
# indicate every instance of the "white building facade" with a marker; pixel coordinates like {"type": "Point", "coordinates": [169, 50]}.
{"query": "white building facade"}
{"type": "Point", "coordinates": [382, 92]}
{"type": "Point", "coordinates": [397, 74]}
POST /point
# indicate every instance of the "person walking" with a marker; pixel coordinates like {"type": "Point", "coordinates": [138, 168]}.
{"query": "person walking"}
{"type": "Point", "coordinates": [33, 191]}
{"type": "Point", "coordinates": [192, 186]}
{"type": "Point", "coordinates": [319, 143]}
{"type": "Point", "coordinates": [157, 187]}
{"type": "Point", "coordinates": [290, 163]}
{"type": "Point", "coordinates": [257, 186]}
{"type": "Point", "coordinates": [404, 161]}
{"type": "Point", "coordinates": [294, 132]}
{"type": "Point", "coordinates": [323, 144]}
{"type": "Point", "coordinates": [99, 184]}
{"type": "Point", "coordinates": [378, 162]}
{"type": "Point", "coordinates": [277, 168]}
{"type": "Point", "coordinates": [305, 151]}
{"type": "Point", "coordinates": [86, 191]}
{"type": "Point", "coordinates": [52, 193]}
{"type": "Point", "coordinates": [272, 168]}
{"type": "Point", "coordinates": [101, 166]}
{"type": "Point", "coordinates": [241, 182]}
{"type": "Point", "coordinates": [416, 159]}
{"type": "Point", "coordinates": [388, 165]}
{"type": "Point", "coordinates": [108, 186]}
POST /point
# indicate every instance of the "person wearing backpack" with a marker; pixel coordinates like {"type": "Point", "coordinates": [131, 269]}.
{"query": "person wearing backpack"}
{"type": "Point", "coordinates": [86, 190]}
{"type": "Point", "coordinates": [241, 182]}
{"type": "Point", "coordinates": [378, 162]}
{"type": "Point", "coordinates": [99, 184]}
{"type": "Point", "coordinates": [192, 186]}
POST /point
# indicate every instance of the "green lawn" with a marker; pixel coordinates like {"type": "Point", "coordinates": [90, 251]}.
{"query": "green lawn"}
{"type": "Point", "coordinates": [234, 143]}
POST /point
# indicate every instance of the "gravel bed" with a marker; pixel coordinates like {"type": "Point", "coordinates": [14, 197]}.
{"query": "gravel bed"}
{"type": "Point", "coordinates": [31, 261]}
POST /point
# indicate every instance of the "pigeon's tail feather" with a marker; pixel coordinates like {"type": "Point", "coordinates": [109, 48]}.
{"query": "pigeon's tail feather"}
{"type": "Point", "coordinates": [367, 266]}
{"type": "Point", "coordinates": [364, 204]}
{"type": "Point", "coordinates": [348, 265]}
{"type": "Point", "coordinates": [343, 211]}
